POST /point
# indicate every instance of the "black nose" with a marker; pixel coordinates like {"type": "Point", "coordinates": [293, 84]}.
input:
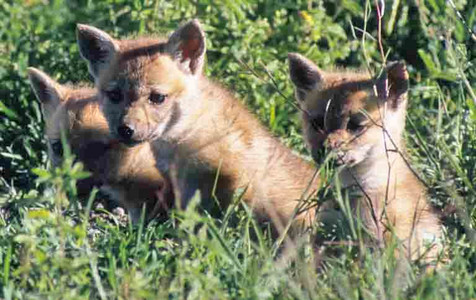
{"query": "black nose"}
{"type": "Point", "coordinates": [125, 132]}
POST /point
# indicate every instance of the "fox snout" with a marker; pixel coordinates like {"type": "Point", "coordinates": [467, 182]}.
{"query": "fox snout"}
{"type": "Point", "coordinates": [336, 139]}
{"type": "Point", "coordinates": [125, 132]}
{"type": "Point", "coordinates": [132, 132]}
{"type": "Point", "coordinates": [128, 134]}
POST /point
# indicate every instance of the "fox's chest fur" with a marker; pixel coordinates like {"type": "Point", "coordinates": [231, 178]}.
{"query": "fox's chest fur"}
{"type": "Point", "coordinates": [220, 147]}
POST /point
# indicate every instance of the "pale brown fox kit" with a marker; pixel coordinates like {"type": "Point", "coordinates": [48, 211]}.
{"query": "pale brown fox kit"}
{"type": "Point", "coordinates": [154, 90]}
{"type": "Point", "coordinates": [362, 120]}
{"type": "Point", "coordinates": [127, 174]}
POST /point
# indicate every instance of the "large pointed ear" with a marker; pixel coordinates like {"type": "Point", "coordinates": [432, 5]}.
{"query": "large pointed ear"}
{"type": "Point", "coordinates": [305, 75]}
{"type": "Point", "coordinates": [393, 83]}
{"type": "Point", "coordinates": [46, 90]}
{"type": "Point", "coordinates": [96, 47]}
{"type": "Point", "coordinates": [187, 46]}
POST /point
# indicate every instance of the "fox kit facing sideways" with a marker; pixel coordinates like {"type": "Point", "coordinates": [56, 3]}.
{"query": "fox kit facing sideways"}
{"type": "Point", "coordinates": [362, 120]}
{"type": "Point", "coordinates": [127, 174]}
{"type": "Point", "coordinates": [154, 90]}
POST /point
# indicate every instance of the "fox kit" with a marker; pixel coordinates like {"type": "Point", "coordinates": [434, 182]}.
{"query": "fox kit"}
{"type": "Point", "coordinates": [361, 119]}
{"type": "Point", "coordinates": [154, 90]}
{"type": "Point", "coordinates": [127, 174]}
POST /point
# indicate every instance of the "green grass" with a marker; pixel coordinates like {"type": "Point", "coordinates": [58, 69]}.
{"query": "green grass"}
{"type": "Point", "coordinates": [50, 247]}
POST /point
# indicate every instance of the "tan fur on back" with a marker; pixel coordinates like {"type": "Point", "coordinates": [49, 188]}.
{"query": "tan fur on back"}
{"type": "Point", "coordinates": [200, 131]}
{"type": "Point", "coordinates": [226, 136]}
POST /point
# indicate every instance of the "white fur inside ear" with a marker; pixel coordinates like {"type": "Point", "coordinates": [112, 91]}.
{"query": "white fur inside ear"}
{"type": "Point", "coordinates": [97, 47]}
{"type": "Point", "coordinates": [304, 74]}
{"type": "Point", "coordinates": [44, 86]}
{"type": "Point", "coordinates": [187, 47]}
{"type": "Point", "coordinates": [46, 90]}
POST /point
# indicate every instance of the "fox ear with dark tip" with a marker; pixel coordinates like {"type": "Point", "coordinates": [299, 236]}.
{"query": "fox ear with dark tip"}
{"type": "Point", "coordinates": [393, 83]}
{"type": "Point", "coordinates": [96, 47]}
{"type": "Point", "coordinates": [305, 75]}
{"type": "Point", "coordinates": [187, 46]}
{"type": "Point", "coordinates": [46, 90]}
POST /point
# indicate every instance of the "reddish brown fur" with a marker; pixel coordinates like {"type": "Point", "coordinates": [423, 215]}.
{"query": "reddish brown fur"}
{"type": "Point", "coordinates": [200, 129]}
{"type": "Point", "coordinates": [128, 174]}
{"type": "Point", "coordinates": [246, 155]}
{"type": "Point", "coordinates": [346, 112]}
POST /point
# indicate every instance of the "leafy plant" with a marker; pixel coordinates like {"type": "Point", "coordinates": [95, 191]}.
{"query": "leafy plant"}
{"type": "Point", "coordinates": [52, 246]}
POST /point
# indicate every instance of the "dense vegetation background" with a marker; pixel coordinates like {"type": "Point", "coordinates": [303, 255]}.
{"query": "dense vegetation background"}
{"type": "Point", "coordinates": [48, 249]}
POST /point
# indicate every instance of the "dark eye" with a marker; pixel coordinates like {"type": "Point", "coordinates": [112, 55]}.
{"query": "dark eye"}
{"type": "Point", "coordinates": [114, 96]}
{"type": "Point", "coordinates": [318, 124]}
{"type": "Point", "coordinates": [356, 123]}
{"type": "Point", "coordinates": [57, 147]}
{"type": "Point", "coordinates": [157, 98]}
{"type": "Point", "coordinates": [353, 126]}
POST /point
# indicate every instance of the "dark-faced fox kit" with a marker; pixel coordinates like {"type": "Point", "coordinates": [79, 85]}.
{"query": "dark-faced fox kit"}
{"type": "Point", "coordinates": [361, 119]}
{"type": "Point", "coordinates": [154, 90]}
{"type": "Point", "coordinates": [127, 174]}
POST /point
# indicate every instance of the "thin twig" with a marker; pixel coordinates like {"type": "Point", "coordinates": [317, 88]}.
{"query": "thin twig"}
{"type": "Point", "coordinates": [275, 85]}
{"type": "Point", "coordinates": [460, 16]}
{"type": "Point", "coordinates": [380, 13]}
